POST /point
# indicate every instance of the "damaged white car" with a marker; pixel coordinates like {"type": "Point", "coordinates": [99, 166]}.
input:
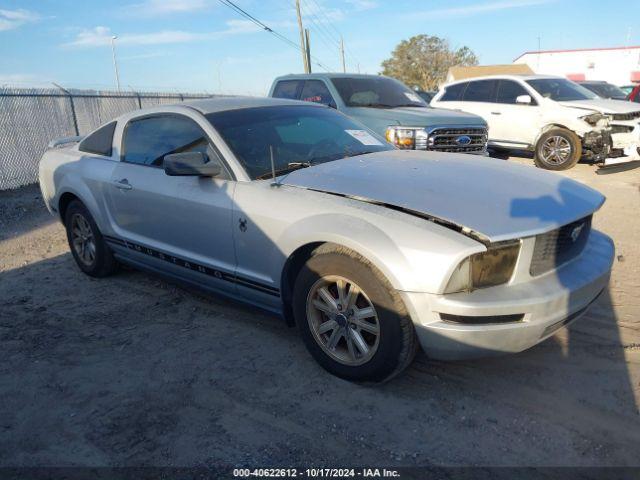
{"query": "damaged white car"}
{"type": "Point", "coordinates": [557, 119]}
{"type": "Point", "coordinates": [295, 208]}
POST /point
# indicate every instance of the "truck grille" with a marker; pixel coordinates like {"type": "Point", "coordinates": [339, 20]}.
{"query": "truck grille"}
{"type": "Point", "coordinates": [449, 139]}
{"type": "Point", "coordinates": [555, 248]}
{"type": "Point", "coordinates": [625, 116]}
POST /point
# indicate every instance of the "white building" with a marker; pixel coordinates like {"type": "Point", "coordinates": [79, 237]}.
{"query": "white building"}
{"type": "Point", "coordinates": [617, 65]}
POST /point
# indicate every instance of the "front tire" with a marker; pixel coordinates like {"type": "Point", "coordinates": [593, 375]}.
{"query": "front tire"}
{"type": "Point", "coordinates": [558, 149]}
{"type": "Point", "coordinates": [89, 249]}
{"type": "Point", "coordinates": [351, 320]}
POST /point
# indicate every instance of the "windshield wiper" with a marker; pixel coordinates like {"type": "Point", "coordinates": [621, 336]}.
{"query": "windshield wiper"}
{"type": "Point", "coordinates": [372, 105]}
{"type": "Point", "coordinates": [289, 168]}
{"type": "Point", "coordinates": [411, 105]}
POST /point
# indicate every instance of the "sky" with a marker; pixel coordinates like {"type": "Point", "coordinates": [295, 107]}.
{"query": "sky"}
{"type": "Point", "coordinates": [205, 46]}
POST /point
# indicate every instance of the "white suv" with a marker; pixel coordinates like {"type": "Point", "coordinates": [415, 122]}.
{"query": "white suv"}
{"type": "Point", "coordinates": [557, 119]}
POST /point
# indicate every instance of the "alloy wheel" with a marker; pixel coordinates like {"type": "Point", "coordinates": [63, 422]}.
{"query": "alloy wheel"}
{"type": "Point", "coordinates": [556, 150]}
{"type": "Point", "coordinates": [343, 320]}
{"type": "Point", "coordinates": [82, 239]}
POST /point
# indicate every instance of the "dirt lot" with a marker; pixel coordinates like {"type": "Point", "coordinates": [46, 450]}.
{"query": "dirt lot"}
{"type": "Point", "coordinates": [131, 370]}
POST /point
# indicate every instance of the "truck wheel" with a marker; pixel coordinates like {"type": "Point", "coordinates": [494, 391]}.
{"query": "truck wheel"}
{"type": "Point", "coordinates": [558, 149]}
{"type": "Point", "coordinates": [89, 249]}
{"type": "Point", "coordinates": [351, 320]}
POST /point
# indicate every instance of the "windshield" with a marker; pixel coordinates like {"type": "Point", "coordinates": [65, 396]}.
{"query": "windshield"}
{"type": "Point", "coordinates": [298, 135]}
{"type": "Point", "coordinates": [561, 90]}
{"type": "Point", "coordinates": [378, 92]}
{"type": "Point", "coordinates": [606, 90]}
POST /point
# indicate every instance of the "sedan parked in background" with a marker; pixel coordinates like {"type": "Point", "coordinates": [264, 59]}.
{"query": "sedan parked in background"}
{"type": "Point", "coordinates": [297, 209]}
{"type": "Point", "coordinates": [557, 119]}
{"type": "Point", "coordinates": [604, 89]}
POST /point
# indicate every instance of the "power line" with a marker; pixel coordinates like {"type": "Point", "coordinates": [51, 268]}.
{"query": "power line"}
{"type": "Point", "coordinates": [322, 29]}
{"type": "Point", "coordinates": [338, 39]}
{"type": "Point", "coordinates": [268, 29]}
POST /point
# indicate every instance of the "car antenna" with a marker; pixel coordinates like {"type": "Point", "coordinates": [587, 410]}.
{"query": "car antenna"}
{"type": "Point", "coordinates": [273, 168]}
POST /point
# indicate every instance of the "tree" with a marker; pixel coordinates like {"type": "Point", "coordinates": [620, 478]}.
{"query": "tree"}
{"type": "Point", "coordinates": [424, 60]}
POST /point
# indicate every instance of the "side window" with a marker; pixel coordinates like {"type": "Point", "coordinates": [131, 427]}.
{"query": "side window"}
{"type": "Point", "coordinates": [508, 91]}
{"type": "Point", "coordinates": [316, 91]}
{"type": "Point", "coordinates": [99, 142]}
{"type": "Point", "coordinates": [480, 91]}
{"type": "Point", "coordinates": [287, 89]}
{"type": "Point", "coordinates": [453, 93]}
{"type": "Point", "coordinates": [148, 140]}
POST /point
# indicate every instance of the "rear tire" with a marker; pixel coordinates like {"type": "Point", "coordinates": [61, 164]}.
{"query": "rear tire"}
{"type": "Point", "coordinates": [88, 247]}
{"type": "Point", "coordinates": [558, 149]}
{"type": "Point", "coordinates": [362, 332]}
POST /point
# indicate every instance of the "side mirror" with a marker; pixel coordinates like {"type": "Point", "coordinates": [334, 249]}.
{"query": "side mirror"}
{"type": "Point", "coordinates": [191, 164]}
{"type": "Point", "coordinates": [523, 100]}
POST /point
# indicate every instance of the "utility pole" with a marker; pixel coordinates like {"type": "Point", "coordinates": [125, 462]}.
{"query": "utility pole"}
{"type": "Point", "coordinates": [538, 54]}
{"type": "Point", "coordinates": [115, 63]}
{"type": "Point", "coordinates": [344, 66]}
{"type": "Point", "coordinates": [303, 49]}
{"type": "Point", "coordinates": [308, 53]}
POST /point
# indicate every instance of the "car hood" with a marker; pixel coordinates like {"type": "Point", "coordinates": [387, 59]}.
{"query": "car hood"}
{"type": "Point", "coordinates": [604, 105]}
{"type": "Point", "coordinates": [420, 116]}
{"type": "Point", "coordinates": [488, 199]}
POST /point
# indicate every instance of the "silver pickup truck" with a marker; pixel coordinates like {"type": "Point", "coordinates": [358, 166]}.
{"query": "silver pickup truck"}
{"type": "Point", "coordinates": [389, 108]}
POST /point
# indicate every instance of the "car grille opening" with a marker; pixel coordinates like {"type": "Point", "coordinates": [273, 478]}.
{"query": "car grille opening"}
{"type": "Point", "coordinates": [448, 140]}
{"type": "Point", "coordinates": [625, 116]}
{"type": "Point", "coordinates": [482, 320]}
{"type": "Point", "coordinates": [557, 247]}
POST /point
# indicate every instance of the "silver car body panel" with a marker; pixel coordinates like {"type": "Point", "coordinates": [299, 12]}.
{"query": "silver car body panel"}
{"type": "Point", "coordinates": [234, 236]}
{"type": "Point", "coordinates": [458, 190]}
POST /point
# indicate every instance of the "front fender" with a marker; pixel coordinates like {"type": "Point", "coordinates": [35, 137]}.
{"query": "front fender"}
{"type": "Point", "coordinates": [414, 255]}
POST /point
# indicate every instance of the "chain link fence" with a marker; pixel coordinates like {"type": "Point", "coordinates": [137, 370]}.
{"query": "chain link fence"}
{"type": "Point", "coordinates": [31, 118]}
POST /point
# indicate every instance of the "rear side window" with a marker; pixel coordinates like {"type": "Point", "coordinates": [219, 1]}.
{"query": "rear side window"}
{"type": "Point", "coordinates": [508, 91]}
{"type": "Point", "coordinates": [317, 92]}
{"type": "Point", "coordinates": [287, 89]}
{"type": "Point", "coordinates": [148, 140]}
{"type": "Point", "coordinates": [453, 93]}
{"type": "Point", "coordinates": [99, 142]}
{"type": "Point", "coordinates": [480, 91]}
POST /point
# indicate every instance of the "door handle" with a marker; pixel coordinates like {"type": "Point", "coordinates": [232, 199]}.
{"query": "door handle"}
{"type": "Point", "coordinates": [496, 113]}
{"type": "Point", "coordinates": [122, 184]}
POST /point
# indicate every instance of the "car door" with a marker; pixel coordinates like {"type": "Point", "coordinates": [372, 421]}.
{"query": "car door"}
{"type": "Point", "coordinates": [478, 98]}
{"type": "Point", "coordinates": [513, 123]}
{"type": "Point", "coordinates": [316, 91]}
{"type": "Point", "coordinates": [179, 224]}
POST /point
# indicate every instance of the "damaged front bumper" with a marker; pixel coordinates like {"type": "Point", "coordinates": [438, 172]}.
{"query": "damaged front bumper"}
{"type": "Point", "coordinates": [619, 144]}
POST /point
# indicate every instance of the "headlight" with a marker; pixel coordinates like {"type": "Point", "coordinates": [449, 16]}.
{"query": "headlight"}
{"type": "Point", "coordinates": [485, 269]}
{"type": "Point", "coordinates": [595, 118]}
{"type": "Point", "coordinates": [405, 137]}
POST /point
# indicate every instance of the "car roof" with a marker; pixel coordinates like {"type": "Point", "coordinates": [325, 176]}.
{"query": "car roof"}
{"type": "Point", "coordinates": [592, 82]}
{"type": "Point", "coordinates": [325, 75]}
{"type": "Point", "coordinates": [224, 103]}
{"type": "Point", "coordinates": [505, 77]}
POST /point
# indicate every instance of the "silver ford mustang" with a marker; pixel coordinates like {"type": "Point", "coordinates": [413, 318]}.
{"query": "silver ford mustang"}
{"type": "Point", "coordinates": [297, 209]}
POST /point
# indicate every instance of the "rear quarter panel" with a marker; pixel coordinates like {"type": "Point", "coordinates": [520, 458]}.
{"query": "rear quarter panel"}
{"type": "Point", "coordinates": [84, 175]}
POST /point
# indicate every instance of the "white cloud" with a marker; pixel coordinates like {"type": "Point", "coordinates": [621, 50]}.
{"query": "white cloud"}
{"type": "Point", "coordinates": [10, 19]}
{"type": "Point", "coordinates": [360, 5]}
{"type": "Point", "coordinates": [480, 8]}
{"type": "Point", "coordinates": [101, 36]}
{"type": "Point", "coordinates": [167, 7]}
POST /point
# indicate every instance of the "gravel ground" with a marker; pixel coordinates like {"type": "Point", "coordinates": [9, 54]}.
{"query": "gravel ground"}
{"type": "Point", "coordinates": [131, 370]}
